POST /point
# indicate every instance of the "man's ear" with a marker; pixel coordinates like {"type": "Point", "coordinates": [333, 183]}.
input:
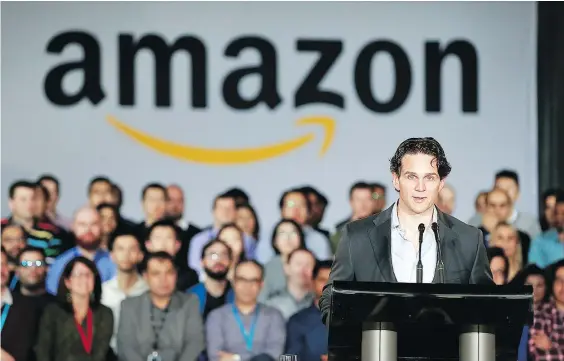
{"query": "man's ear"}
{"type": "Point", "coordinates": [395, 181]}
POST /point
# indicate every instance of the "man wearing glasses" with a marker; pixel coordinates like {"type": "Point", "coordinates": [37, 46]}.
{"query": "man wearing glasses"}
{"type": "Point", "coordinates": [31, 273]}
{"type": "Point", "coordinates": [216, 290]}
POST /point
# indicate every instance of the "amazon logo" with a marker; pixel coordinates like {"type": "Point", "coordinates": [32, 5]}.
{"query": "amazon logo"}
{"type": "Point", "coordinates": [309, 91]}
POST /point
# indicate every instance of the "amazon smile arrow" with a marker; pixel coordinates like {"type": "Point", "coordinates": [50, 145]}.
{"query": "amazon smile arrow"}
{"type": "Point", "coordinates": [217, 156]}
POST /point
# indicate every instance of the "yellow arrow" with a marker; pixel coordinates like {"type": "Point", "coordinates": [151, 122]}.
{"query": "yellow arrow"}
{"type": "Point", "coordinates": [229, 156]}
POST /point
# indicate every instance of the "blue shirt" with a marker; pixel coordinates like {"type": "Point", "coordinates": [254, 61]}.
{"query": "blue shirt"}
{"type": "Point", "coordinates": [307, 335]}
{"type": "Point", "coordinates": [102, 259]}
{"type": "Point", "coordinates": [546, 249]}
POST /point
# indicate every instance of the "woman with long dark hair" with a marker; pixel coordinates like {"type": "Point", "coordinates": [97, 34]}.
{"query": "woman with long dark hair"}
{"type": "Point", "coordinates": [77, 326]}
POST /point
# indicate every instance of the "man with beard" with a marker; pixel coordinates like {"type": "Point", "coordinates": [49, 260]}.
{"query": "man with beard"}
{"type": "Point", "coordinates": [87, 232]}
{"type": "Point", "coordinates": [215, 291]}
{"type": "Point", "coordinates": [125, 250]}
{"type": "Point", "coordinates": [13, 241]}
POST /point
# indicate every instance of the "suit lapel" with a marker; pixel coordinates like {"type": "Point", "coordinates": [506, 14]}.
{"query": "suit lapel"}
{"type": "Point", "coordinates": [380, 238]}
{"type": "Point", "coordinates": [446, 238]}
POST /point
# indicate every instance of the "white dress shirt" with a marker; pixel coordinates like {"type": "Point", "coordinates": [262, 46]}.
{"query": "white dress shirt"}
{"type": "Point", "coordinates": [405, 256]}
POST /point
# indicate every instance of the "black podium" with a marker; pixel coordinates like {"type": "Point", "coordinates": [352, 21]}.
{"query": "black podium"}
{"type": "Point", "coordinates": [399, 321]}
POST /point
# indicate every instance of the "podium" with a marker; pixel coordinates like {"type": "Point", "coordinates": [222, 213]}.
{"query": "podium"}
{"type": "Point", "coordinates": [402, 321]}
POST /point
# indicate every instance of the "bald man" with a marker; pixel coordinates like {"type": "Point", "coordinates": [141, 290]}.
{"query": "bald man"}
{"type": "Point", "coordinates": [87, 231]}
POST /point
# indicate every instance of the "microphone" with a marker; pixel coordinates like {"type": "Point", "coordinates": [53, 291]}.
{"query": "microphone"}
{"type": "Point", "coordinates": [420, 264]}
{"type": "Point", "coordinates": [440, 263]}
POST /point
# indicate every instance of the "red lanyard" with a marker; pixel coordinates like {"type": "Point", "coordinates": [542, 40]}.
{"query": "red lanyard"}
{"type": "Point", "coordinates": [86, 337]}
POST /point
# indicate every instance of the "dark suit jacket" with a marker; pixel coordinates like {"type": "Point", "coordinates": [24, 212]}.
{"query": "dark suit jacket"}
{"type": "Point", "coordinates": [59, 340]}
{"type": "Point", "coordinates": [364, 253]}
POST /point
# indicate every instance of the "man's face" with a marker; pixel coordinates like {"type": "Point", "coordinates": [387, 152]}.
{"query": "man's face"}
{"type": "Point", "coordinates": [175, 202]}
{"type": "Point", "coordinates": [378, 199]}
{"type": "Point", "coordinates": [550, 209]}
{"type": "Point", "coordinates": [559, 216]}
{"type": "Point", "coordinates": [100, 192]}
{"type": "Point", "coordinates": [31, 271]}
{"type": "Point", "coordinates": [558, 287]}
{"type": "Point", "coordinates": [4, 270]}
{"type": "Point", "coordinates": [446, 200]}
{"type": "Point", "coordinates": [87, 229]}
{"type": "Point", "coordinates": [224, 211]}
{"type": "Point", "coordinates": [418, 182]}
{"type": "Point", "coordinates": [13, 241]}
{"type": "Point", "coordinates": [508, 185]}
{"type": "Point", "coordinates": [216, 261]}
{"type": "Point", "coordinates": [497, 266]}
{"type": "Point", "coordinates": [505, 237]}
{"type": "Point", "coordinates": [108, 220]}
{"type": "Point", "coordinates": [163, 239]}
{"type": "Point", "coordinates": [317, 210]}
{"type": "Point", "coordinates": [481, 203]}
{"type": "Point", "coordinates": [299, 268]}
{"type": "Point", "coordinates": [126, 253]}
{"type": "Point", "coordinates": [247, 283]}
{"type": "Point", "coordinates": [23, 203]}
{"type": "Point", "coordinates": [361, 203]}
{"type": "Point", "coordinates": [499, 203]}
{"type": "Point", "coordinates": [539, 287]}
{"type": "Point", "coordinates": [321, 280]}
{"type": "Point", "coordinates": [295, 208]}
{"type": "Point", "coordinates": [53, 194]}
{"type": "Point", "coordinates": [161, 277]}
{"type": "Point", "coordinates": [40, 204]}
{"type": "Point", "coordinates": [154, 203]}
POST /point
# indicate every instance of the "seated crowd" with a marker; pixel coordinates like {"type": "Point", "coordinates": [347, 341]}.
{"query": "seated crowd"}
{"type": "Point", "coordinates": [101, 287]}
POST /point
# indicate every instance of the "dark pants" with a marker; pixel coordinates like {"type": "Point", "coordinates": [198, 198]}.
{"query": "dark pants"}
{"type": "Point", "coordinates": [262, 357]}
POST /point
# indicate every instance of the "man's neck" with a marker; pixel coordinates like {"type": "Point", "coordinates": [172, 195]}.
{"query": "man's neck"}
{"type": "Point", "coordinates": [245, 308]}
{"type": "Point", "coordinates": [215, 288]}
{"type": "Point", "coordinates": [559, 306]}
{"type": "Point", "coordinates": [297, 291]}
{"type": "Point", "coordinates": [31, 292]}
{"type": "Point", "coordinates": [160, 302]}
{"type": "Point", "coordinates": [126, 280]}
{"type": "Point", "coordinates": [86, 253]}
{"type": "Point", "coordinates": [410, 220]}
{"type": "Point", "coordinates": [26, 223]}
{"type": "Point", "coordinates": [149, 221]}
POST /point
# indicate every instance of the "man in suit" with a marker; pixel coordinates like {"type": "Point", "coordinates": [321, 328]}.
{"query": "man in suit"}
{"type": "Point", "coordinates": [385, 247]}
{"type": "Point", "coordinates": [161, 324]}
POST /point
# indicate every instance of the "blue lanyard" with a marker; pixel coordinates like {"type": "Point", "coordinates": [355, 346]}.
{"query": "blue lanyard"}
{"type": "Point", "coordinates": [4, 316]}
{"type": "Point", "coordinates": [13, 283]}
{"type": "Point", "coordinates": [248, 336]}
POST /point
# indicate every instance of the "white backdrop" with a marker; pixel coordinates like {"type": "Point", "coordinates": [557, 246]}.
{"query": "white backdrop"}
{"type": "Point", "coordinates": [76, 142]}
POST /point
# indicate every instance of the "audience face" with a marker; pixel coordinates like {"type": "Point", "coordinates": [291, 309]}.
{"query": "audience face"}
{"type": "Point", "coordinates": [39, 204]}
{"type": "Point", "coordinates": [317, 210]}
{"type": "Point", "coordinates": [558, 287]}
{"type": "Point", "coordinates": [246, 221]}
{"type": "Point", "coordinates": [22, 204]}
{"type": "Point", "coordinates": [480, 203]}
{"type": "Point", "coordinates": [299, 268]}
{"type": "Point", "coordinates": [53, 194]}
{"type": "Point", "coordinates": [506, 238]}
{"type": "Point", "coordinates": [321, 280]}
{"type": "Point", "coordinates": [163, 238]}
{"type": "Point", "coordinates": [232, 236]}
{"type": "Point", "coordinates": [4, 271]}
{"type": "Point", "coordinates": [559, 216]}
{"type": "Point", "coordinates": [86, 228]}
{"type": "Point", "coordinates": [108, 220]}
{"type": "Point", "coordinates": [498, 268]}
{"type": "Point", "coordinates": [13, 241]}
{"type": "Point", "coordinates": [216, 261]}
{"type": "Point", "coordinates": [81, 281]}
{"type": "Point", "coordinates": [31, 271]}
{"type": "Point", "coordinates": [539, 287]}
{"type": "Point", "coordinates": [550, 210]}
{"type": "Point", "coordinates": [224, 211]}
{"type": "Point", "coordinates": [295, 208]}
{"type": "Point", "coordinates": [100, 192]}
{"type": "Point", "coordinates": [126, 253]}
{"type": "Point", "coordinates": [499, 203]}
{"type": "Point", "coordinates": [419, 183]}
{"type": "Point", "coordinates": [378, 199]}
{"type": "Point", "coordinates": [510, 187]}
{"type": "Point", "coordinates": [446, 200]}
{"type": "Point", "coordinates": [154, 204]}
{"type": "Point", "coordinates": [287, 238]}
{"type": "Point", "coordinates": [175, 202]}
{"type": "Point", "coordinates": [161, 277]}
{"type": "Point", "coordinates": [361, 203]}
{"type": "Point", "coordinates": [247, 283]}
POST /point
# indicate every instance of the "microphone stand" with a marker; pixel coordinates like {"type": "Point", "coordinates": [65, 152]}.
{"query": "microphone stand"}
{"type": "Point", "coordinates": [440, 263]}
{"type": "Point", "coordinates": [419, 263]}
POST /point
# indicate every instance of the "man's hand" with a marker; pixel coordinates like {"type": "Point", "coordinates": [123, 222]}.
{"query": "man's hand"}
{"type": "Point", "coordinates": [541, 340]}
{"type": "Point", "coordinates": [4, 356]}
{"type": "Point", "coordinates": [225, 356]}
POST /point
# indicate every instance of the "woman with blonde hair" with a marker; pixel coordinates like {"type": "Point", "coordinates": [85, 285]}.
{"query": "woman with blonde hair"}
{"type": "Point", "coordinates": [506, 237]}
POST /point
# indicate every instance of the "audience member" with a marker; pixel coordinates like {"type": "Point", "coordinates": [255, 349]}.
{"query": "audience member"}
{"type": "Point", "coordinates": [52, 184]}
{"type": "Point", "coordinates": [31, 273]}
{"type": "Point", "coordinates": [162, 323]}
{"type": "Point", "coordinates": [125, 250]}
{"type": "Point", "coordinates": [378, 197]}
{"type": "Point", "coordinates": [286, 238]}
{"type": "Point", "coordinates": [109, 217]}
{"type": "Point", "coordinates": [247, 221]}
{"type": "Point", "coordinates": [505, 237]}
{"type": "Point", "coordinates": [549, 203]}
{"type": "Point", "coordinates": [298, 294]}
{"type": "Point", "coordinates": [245, 330]}
{"type": "Point", "coordinates": [319, 204]}
{"type": "Point", "coordinates": [77, 326]}
{"type": "Point", "coordinates": [499, 265]}
{"type": "Point", "coordinates": [13, 241]}
{"type": "Point", "coordinates": [239, 196]}
{"type": "Point", "coordinates": [117, 200]}
{"type": "Point", "coordinates": [215, 290]}
{"type": "Point", "coordinates": [86, 229]}
{"type": "Point", "coordinates": [479, 208]}
{"type": "Point", "coordinates": [233, 237]}
{"type": "Point", "coordinates": [99, 191]}
{"type": "Point", "coordinates": [153, 201]}
{"type": "Point", "coordinates": [307, 335]}
{"type": "Point", "coordinates": [447, 199]}
{"type": "Point", "coordinates": [548, 248]}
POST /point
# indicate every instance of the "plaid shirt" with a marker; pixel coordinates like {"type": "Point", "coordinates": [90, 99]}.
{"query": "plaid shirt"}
{"type": "Point", "coordinates": [550, 320]}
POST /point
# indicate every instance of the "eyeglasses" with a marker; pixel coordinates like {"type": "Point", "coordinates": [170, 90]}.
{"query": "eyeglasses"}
{"type": "Point", "coordinates": [247, 280]}
{"type": "Point", "coordinates": [82, 275]}
{"type": "Point", "coordinates": [215, 256]}
{"type": "Point", "coordinates": [37, 263]}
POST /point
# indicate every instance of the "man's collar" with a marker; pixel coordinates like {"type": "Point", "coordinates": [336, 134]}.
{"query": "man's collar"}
{"type": "Point", "coordinates": [395, 217]}
{"type": "Point", "coordinates": [513, 217]}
